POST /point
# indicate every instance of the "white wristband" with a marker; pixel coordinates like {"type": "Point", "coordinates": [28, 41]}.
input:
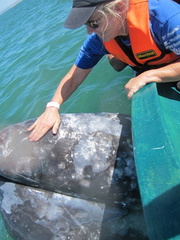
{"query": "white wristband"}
{"type": "Point", "coordinates": [53, 104]}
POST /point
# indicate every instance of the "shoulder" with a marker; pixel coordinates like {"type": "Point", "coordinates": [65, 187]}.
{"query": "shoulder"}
{"type": "Point", "coordinates": [162, 10]}
{"type": "Point", "coordinates": [94, 44]}
{"type": "Point", "coordinates": [91, 52]}
{"type": "Point", "coordinates": [165, 23]}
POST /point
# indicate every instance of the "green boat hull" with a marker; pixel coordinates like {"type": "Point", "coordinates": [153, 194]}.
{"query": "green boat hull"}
{"type": "Point", "coordinates": [156, 138]}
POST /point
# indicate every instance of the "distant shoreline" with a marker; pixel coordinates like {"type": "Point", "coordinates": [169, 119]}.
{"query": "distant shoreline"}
{"type": "Point", "coordinates": [10, 6]}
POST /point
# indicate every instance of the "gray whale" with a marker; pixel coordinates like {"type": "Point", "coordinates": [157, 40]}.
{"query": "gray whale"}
{"type": "Point", "coordinates": [79, 184]}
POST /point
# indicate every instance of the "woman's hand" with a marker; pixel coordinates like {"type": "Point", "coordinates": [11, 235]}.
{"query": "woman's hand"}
{"type": "Point", "coordinates": [140, 81]}
{"type": "Point", "coordinates": [49, 119]}
{"type": "Point", "coordinates": [168, 73]}
{"type": "Point", "coordinates": [134, 85]}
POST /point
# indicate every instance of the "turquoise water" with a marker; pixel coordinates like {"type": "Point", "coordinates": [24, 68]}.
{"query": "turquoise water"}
{"type": "Point", "coordinates": [36, 51]}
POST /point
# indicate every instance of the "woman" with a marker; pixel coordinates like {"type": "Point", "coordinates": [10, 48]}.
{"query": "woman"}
{"type": "Point", "coordinates": [140, 33]}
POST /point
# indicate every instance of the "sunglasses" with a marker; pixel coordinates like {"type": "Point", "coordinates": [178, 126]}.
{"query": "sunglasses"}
{"type": "Point", "coordinates": [93, 23]}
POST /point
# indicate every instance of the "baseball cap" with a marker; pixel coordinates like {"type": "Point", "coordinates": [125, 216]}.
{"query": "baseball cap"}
{"type": "Point", "coordinates": [81, 11]}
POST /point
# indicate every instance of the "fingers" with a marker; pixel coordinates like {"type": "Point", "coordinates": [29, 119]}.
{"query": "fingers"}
{"type": "Point", "coordinates": [49, 119]}
{"type": "Point", "coordinates": [37, 133]}
{"type": "Point", "coordinates": [56, 127]}
{"type": "Point", "coordinates": [130, 94]}
{"type": "Point", "coordinates": [134, 85]}
{"type": "Point", "coordinates": [32, 127]}
{"type": "Point", "coordinates": [130, 90]}
{"type": "Point", "coordinates": [36, 129]}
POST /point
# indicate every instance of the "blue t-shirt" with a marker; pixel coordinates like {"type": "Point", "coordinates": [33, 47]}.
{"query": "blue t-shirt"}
{"type": "Point", "coordinates": [165, 29]}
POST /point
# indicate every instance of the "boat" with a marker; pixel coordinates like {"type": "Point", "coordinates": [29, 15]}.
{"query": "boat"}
{"type": "Point", "coordinates": [156, 140]}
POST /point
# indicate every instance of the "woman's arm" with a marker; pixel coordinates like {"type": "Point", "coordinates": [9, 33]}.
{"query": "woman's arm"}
{"type": "Point", "coordinates": [169, 73]}
{"type": "Point", "coordinates": [51, 118]}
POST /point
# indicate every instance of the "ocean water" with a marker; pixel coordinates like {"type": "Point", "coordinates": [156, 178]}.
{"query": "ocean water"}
{"type": "Point", "coordinates": [36, 52]}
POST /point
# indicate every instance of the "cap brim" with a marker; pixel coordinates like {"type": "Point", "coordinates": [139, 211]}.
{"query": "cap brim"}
{"type": "Point", "coordinates": [78, 17]}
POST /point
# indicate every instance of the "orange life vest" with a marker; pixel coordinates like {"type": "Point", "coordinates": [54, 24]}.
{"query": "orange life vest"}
{"type": "Point", "coordinates": [144, 48]}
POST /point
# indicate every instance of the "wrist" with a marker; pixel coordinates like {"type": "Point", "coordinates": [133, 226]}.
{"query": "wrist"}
{"type": "Point", "coordinates": [53, 104]}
